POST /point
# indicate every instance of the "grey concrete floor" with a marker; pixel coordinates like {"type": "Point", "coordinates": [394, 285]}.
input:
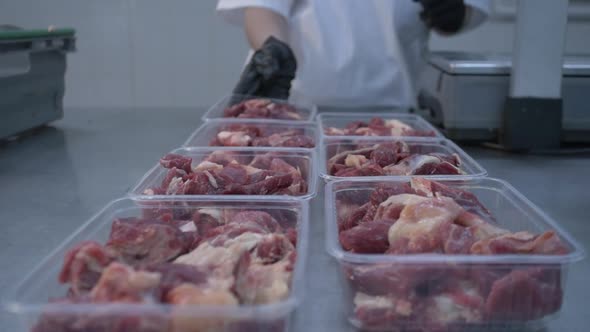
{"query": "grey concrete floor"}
{"type": "Point", "coordinates": [56, 179]}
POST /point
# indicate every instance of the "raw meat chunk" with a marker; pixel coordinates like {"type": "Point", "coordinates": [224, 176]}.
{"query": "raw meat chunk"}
{"type": "Point", "coordinates": [173, 275]}
{"type": "Point", "coordinates": [381, 311]}
{"type": "Point", "coordinates": [83, 266]}
{"type": "Point", "coordinates": [377, 127]}
{"type": "Point", "coordinates": [258, 283]}
{"type": "Point", "coordinates": [547, 243]}
{"type": "Point", "coordinates": [230, 174]}
{"type": "Point", "coordinates": [366, 238]}
{"type": "Point", "coordinates": [263, 108]}
{"type": "Point", "coordinates": [393, 158]}
{"type": "Point", "coordinates": [419, 228]}
{"type": "Point", "coordinates": [172, 160]}
{"type": "Point", "coordinates": [258, 135]}
{"type": "Point", "coordinates": [122, 283]}
{"type": "Point", "coordinates": [525, 295]}
{"type": "Point", "coordinates": [138, 241]}
{"type": "Point", "coordinates": [191, 295]}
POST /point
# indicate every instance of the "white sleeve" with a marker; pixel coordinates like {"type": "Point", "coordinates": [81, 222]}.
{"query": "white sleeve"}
{"type": "Point", "coordinates": [480, 9]}
{"type": "Point", "coordinates": [233, 10]}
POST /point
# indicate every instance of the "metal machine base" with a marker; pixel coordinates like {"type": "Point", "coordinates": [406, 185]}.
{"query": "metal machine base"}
{"type": "Point", "coordinates": [531, 123]}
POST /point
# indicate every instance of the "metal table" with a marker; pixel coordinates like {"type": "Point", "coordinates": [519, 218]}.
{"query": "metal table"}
{"type": "Point", "coordinates": [56, 179]}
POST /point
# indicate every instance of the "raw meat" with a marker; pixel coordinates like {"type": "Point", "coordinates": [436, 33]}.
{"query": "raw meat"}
{"type": "Point", "coordinates": [243, 257]}
{"type": "Point", "coordinates": [144, 242]}
{"type": "Point", "coordinates": [263, 108]}
{"type": "Point", "coordinates": [83, 266]}
{"type": "Point", "coordinates": [258, 135]}
{"type": "Point", "coordinates": [377, 127]}
{"type": "Point", "coordinates": [426, 217]}
{"type": "Point", "coordinates": [393, 158]}
{"type": "Point", "coordinates": [225, 173]}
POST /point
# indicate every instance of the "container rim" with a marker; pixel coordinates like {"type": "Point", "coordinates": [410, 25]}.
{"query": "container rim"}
{"type": "Point", "coordinates": [312, 177]}
{"type": "Point", "coordinates": [322, 117]}
{"type": "Point", "coordinates": [10, 303]}
{"type": "Point", "coordinates": [334, 248]}
{"type": "Point", "coordinates": [219, 105]}
{"type": "Point", "coordinates": [308, 125]}
{"type": "Point", "coordinates": [479, 171]}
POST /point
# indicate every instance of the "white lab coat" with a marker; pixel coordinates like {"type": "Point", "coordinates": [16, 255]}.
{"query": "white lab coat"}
{"type": "Point", "coordinates": [353, 53]}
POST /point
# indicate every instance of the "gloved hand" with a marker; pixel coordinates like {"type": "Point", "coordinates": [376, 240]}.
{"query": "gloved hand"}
{"type": "Point", "coordinates": [270, 71]}
{"type": "Point", "coordinates": [443, 15]}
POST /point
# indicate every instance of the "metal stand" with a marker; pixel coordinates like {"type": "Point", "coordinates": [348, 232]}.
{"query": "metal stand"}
{"type": "Point", "coordinates": [532, 114]}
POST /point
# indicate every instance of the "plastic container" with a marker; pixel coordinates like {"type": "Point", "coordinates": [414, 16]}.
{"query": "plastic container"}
{"type": "Point", "coordinates": [304, 159]}
{"type": "Point", "coordinates": [341, 120]}
{"type": "Point", "coordinates": [208, 131]}
{"type": "Point", "coordinates": [332, 145]}
{"type": "Point", "coordinates": [29, 299]}
{"type": "Point", "coordinates": [379, 274]}
{"type": "Point", "coordinates": [307, 111]}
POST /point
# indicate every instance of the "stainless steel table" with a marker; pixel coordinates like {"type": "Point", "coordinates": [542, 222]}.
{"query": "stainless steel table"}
{"type": "Point", "coordinates": [54, 180]}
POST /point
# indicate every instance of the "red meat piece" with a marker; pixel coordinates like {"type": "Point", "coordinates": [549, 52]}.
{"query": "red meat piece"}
{"type": "Point", "coordinates": [260, 218]}
{"type": "Point", "coordinates": [268, 186]}
{"type": "Point", "coordinates": [221, 234]}
{"type": "Point", "coordinates": [262, 108]}
{"type": "Point", "coordinates": [389, 153]}
{"type": "Point", "coordinates": [368, 169]}
{"type": "Point", "coordinates": [175, 274]}
{"type": "Point", "coordinates": [262, 161]}
{"type": "Point", "coordinates": [172, 173]}
{"type": "Point", "coordinates": [234, 173]}
{"type": "Point", "coordinates": [112, 320]}
{"type": "Point", "coordinates": [464, 198]}
{"type": "Point", "coordinates": [273, 248]}
{"type": "Point", "coordinates": [354, 218]}
{"type": "Point", "coordinates": [459, 240]}
{"type": "Point", "coordinates": [366, 238]}
{"type": "Point", "coordinates": [392, 279]}
{"type": "Point", "coordinates": [233, 138]}
{"type": "Point", "coordinates": [83, 265]}
{"type": "Point", "coordinates": [201, 183]}
{"type": "Point", "coordinates": [385, 190]}
{"type": "Point", "coordinates": [547, 243]}
{"type": "Point", "coordinates": [526, 294]}
{"type": "Point", "coordinates": [175, 160]}
{"type": "Point", "coordinates": [424, 164]}
{"type": "Point", "coordinates": [225, 157]}
{"type": "Point", "coordinates": [287, 139]}
{"type": "Point", "coordinates": [292, 235]}
{"type": "Point", "coordinates": [122, 283]}
{"type": "Point", "coordinates": [204, 222]}
{"type": "Point", "coordinates": [138, 241]}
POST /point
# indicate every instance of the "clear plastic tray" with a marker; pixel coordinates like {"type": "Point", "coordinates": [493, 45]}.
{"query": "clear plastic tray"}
{"type": "Point", "coordinates": [307, 111]}
{"type": "Point", "coordinates": [303, 158]}
{"type": "Point", "coordinates": [29, 299]}
{"type": "Point", "coordinates": [207, 132]}
{"type": "Point", "coordinates": [341, 120]}
{"type": "Point", "coordinates": [511, 210]}
{"type": "Point", "coordinates": [333, 144]}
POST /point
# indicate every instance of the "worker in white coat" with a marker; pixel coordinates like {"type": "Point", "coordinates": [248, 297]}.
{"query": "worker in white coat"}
{"type": "Point", "coordinates": [343, 53]}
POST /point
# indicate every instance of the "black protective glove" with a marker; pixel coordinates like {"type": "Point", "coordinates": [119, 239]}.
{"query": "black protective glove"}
{"type": "Point", "coordinates": [443, 15]}
{"type": "Point", "coordinates": [270, 71]}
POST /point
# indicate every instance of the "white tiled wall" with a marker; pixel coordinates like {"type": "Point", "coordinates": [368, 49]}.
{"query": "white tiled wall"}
{"type": "Point", "coordinates": [140, 53]}
{"type": "Point", "coordinates": [153, 53]}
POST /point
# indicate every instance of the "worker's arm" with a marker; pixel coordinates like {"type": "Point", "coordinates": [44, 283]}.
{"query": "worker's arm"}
{"type": "Point", "coordinates": [261, 23]}
{"type": "Point", "coordinates": [272, 66]}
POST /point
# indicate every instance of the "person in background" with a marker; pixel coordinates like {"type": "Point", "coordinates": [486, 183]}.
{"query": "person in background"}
{"type": "Point", "coordinates": [343, 53]}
